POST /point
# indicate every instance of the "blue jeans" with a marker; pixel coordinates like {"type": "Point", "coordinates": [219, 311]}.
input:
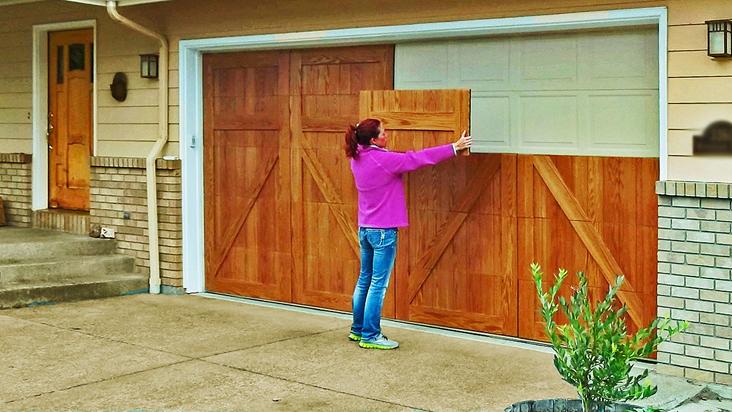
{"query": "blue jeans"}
{"type": "Point", "coordinates": [378, 252]}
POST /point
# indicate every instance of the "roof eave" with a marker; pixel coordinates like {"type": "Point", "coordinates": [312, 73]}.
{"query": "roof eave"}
{"type": "Point", "coordinates": [102, 3]}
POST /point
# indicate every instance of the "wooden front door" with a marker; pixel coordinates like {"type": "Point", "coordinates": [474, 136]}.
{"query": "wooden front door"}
{"type": "Point", "coordinates": [456, 261]}
{"type": "Point", "coordinates": [247, 174]}
{"type": "Point", "coordinates": [70, 88]}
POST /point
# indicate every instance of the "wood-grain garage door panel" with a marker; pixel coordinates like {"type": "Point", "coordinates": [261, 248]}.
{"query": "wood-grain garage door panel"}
{"type": "Point", "coordinates": [247, 174]}
{"type": "Point", "coordinates": [456, 261]}
{"type": "Point", "coordinates": [605, 225]}
{"type": "Point", "coordinates": [325, 87]}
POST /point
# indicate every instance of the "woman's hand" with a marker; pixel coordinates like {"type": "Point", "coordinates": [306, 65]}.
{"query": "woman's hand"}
{"type": "Point", "coordinates": [463, 143]}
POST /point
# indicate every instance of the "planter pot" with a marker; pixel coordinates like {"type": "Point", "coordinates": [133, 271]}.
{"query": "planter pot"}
{"type": "Point", "coordinates": [563, 405]}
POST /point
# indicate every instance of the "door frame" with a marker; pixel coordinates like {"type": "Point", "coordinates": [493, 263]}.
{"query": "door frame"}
{"type": "Point", "coordinates": [39, 173]}
{"type": "Point", "coordinates": [191, 87]}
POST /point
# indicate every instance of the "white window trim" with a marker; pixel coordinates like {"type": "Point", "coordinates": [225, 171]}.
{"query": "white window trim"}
{"type": "Point", "coordinates": [191, 87]}
{"type": "Point", "coordinates": [40, 104]}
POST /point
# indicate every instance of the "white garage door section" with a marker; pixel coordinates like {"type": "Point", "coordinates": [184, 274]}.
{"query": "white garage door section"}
{"type": "Point", "coordinates": [578, 93]}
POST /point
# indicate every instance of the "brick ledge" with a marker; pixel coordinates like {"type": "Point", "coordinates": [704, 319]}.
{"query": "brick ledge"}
{"type": "Point", "coordinates": [15, 158]}
{"type": "Point", "coordinates": [132, 162]}
{"type": "Point", "coordinates": [694, 189]}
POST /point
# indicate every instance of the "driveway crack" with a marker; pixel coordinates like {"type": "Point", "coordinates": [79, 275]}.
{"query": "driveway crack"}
{"type": "Point", "coordinates": [312, 385]}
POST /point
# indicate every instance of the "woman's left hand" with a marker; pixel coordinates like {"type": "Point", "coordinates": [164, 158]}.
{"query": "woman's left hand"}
{"type": "Point", "coordinates": [463, 143]}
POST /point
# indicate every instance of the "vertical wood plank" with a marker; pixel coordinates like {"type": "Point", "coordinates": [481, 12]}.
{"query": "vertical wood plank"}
{"type": "Point", "coordinates": [596, 229]}
{"type": "Point", "coordinates": [246, 174]}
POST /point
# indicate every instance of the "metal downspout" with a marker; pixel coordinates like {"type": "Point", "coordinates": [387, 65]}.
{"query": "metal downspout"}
{"type": "Point", "coordinates": [152, 200]}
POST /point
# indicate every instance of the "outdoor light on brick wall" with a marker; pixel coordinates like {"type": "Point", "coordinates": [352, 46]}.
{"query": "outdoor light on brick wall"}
{"type": "Point", "coordinates": [149, 66]}
{"type": "Point", "coordinates": [719, 38]}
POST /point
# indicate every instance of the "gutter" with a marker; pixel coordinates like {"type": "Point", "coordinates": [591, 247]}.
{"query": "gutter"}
{"type": "Point", "coordinates": [152, 199]}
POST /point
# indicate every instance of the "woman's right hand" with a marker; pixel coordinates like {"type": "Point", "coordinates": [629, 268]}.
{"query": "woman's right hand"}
{"type": "Point", "coordinates": [463, 143]}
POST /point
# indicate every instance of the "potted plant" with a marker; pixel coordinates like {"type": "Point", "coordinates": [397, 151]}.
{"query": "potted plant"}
{"type": "Point", "coordinates": [593, 351]}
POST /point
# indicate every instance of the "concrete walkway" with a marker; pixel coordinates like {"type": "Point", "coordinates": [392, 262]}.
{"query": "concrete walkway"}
{"type": "Point", "coordinates": [193, 353]}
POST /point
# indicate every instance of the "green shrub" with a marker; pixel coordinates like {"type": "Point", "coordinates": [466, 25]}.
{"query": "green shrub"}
{"type": "Point", "coordinates": [593, 351]}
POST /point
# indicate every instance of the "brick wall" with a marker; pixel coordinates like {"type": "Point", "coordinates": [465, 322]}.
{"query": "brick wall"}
{"type": "Point", "coordinates": [15, 188]}
{"type": "Point", "coordinates": [119, 201]}
{"type": "Point", "coordinates": [694, 283]}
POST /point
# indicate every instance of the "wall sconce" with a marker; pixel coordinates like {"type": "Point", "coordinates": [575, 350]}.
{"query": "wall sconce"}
{"type": "Point", "coordinates": [149, 66]}
{"type": "Point", "coordinates": [719, 38]}
{"type": "Point", "coordinates": [715, 140]}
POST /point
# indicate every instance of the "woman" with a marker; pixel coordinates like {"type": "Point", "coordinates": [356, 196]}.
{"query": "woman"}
{"type": "Point", "coordinates": [381, 210]}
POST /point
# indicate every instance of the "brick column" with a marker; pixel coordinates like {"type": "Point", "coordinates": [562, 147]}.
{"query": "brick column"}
{"type": "Point", "coordinates": [119, 201]}
{"type": "Point", "coordinates": [15, 188]}
{"type": "Point", "coordinates": [694, 283]}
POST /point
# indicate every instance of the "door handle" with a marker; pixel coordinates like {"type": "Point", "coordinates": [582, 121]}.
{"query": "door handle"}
{"type": "Point", "coordinates": [50, 126]}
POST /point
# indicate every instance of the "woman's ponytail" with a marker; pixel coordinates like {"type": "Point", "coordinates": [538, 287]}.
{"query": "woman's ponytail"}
{"type": "Point", "coordinates": [351, 142]}
{"type": "Point", "coordinates": [361, 134]}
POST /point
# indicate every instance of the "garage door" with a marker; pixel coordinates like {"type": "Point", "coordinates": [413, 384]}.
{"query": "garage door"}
{"type": "Point", "coordinates": [280, 204]}
{"type": "Point", "coordinates": [247, 174]}
{"type": "Point", "coordinates": [588, 213]}
{"type": "Point", "coordinates": [576, 115]}
{"type": "Point", "coordinates": [585, 93]}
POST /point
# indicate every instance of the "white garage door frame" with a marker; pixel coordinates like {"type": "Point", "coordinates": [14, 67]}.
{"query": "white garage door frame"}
{"type": "Point", "coordinates": [191, 87]}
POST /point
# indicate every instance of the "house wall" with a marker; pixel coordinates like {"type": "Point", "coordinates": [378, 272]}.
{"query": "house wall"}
{"type": "Point", "coordinates": [15, 188]}
{"type": "Point", "coordinates": [694, 282]}
{"type": "Point", "coordinates": [698, 93]}
{"type": "Point", "coordinates": [696, 84]}
{"type": "Point", "coordinates": [119, 201]}
{"type": "Point", "coordinates": [128, 128]}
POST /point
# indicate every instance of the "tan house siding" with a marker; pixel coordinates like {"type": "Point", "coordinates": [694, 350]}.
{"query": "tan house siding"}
{"type": "Point", "coordinates": [123, 128]}
{"type": "Point", "coordinates": [15, 89]}
{"type": "Point", "coordinates": [129, 128]}
{"type": "Point", "coordinates": [698, 89]}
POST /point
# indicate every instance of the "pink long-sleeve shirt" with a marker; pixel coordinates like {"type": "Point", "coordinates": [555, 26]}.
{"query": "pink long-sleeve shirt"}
{"type": "Point", "coordinates": [378, 174]}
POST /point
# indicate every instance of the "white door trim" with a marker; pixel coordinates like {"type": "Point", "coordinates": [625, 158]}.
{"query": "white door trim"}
{"type": "Point", "coordinates": [40, 104]}
{"type": "Point", "coordinates": [191, 87]}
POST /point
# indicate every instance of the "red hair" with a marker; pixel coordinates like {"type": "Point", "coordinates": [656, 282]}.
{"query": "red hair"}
{"type": "Point", "coordinates": [361, 134]}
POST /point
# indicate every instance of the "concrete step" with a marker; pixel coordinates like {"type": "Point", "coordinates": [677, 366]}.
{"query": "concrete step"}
{"type": "Point", "coordinates": [64, 268]}
{"type": "Point", "coordinates": [21, 245]}
{"type": "Point", "coordinates": [72, 289]}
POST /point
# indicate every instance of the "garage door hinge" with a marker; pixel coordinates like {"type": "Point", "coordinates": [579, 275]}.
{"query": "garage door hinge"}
{"type": "Point", "coordinates": [193, 142]}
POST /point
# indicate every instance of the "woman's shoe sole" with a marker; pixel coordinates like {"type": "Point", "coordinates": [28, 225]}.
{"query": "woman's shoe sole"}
{"type": "Point", "coordinates": [375, 346]}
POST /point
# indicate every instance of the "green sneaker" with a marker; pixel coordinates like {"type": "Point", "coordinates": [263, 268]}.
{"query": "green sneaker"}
{"type": "Point", "coordinates": [382, 342]}
{"type": "Point", "coordinates": [354, 337]}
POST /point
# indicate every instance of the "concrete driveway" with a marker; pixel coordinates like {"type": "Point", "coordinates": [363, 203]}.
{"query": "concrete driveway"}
{"type": "Point", "coordinates": [148, 353]}
{"type": "Point", "coordinates": [195, 353]}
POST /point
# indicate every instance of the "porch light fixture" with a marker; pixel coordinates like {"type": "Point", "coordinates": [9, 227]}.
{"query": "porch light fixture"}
{"type": "Point", "coordinates": [715, 140]}
{"type": "Point", "coordinates": [719, 38]}
{"type": "Point", "coordinates": [149, 66]}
